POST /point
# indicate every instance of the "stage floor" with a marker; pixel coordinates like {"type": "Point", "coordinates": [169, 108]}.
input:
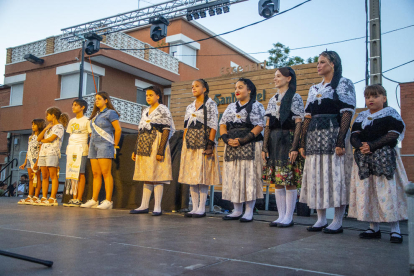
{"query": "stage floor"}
{"type": "Point", "coordinates": [99, 242]}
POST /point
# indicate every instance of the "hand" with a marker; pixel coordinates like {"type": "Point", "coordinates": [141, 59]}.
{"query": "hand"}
{"type": "Point", "coordinates": [233, 143]}
{"type": "Point", "coordinates": [208, 152]}
{"type": "Point", "coordinates": [133, 157]}
{"type": "Point", "coordinates": [236, 142]}
{"type": "Point", "coordinates": [23, 166]}
{"type": "Point", "coordinates": [264, 156]}
{"type": "Point", "coordinates": [35, 167]}
{"type": "Point", "coordinates": [292, 156]}
{"type": "Point", "coordinates": [160, 158]}
{"type": "Point", "coordinates": [302, 152]}
{"type": "Point", "coordinates": [339, 151]}
{"type": "Point", "coordinates": [365, 149]}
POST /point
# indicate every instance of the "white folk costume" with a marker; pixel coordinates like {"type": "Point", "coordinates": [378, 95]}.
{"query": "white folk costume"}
{"type": "Point", "coordinates": [243, 165]}
{"type": "Point", "coordinates": [196, 168]}
{"type": "Point", "coordinates": [326, 176]}
{"type": "Point", "coordinates": [154, 131]}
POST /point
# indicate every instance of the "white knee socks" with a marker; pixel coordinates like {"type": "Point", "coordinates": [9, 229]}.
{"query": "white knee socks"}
{"type": "Point", "coordinates": [280, 195]}
{"type": "Point", "coordinates": [395, 227]}
{"type": "Point", "coordinates": [248, 213]}
{"type": "Point", "coordinates": [337, 220]}
{"type": "Point", "coordinates": [321, 218]}
{"type": "Point", "coordinates": [291, 196]}
{"type": "Point", "coordinates": [203, 198]}
{"type": "Point", "coordinates": [194, 190]}
{"type": "Point", "coordinates": [146, 195]}
{"type": "Point", "coordinates": [237, 211]}
{"type": "Point", "coordinates": [158, 189]}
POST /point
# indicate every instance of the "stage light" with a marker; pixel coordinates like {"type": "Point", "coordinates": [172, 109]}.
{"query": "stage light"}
{"type": "Point", "coordinates": [268, 7]}
{"type": "Point", "coordinates": [226, 9]}
{"type": "Point", "coordinates": [211, 12]}
{"type": "Point", "coordinates": [158, 28]}
{"type": "Point", "coordinates": [189, 17]}
{"type": "Point", "coordinates": [196, 15]}
{"type": "Point", "coordinates": [219, 11]}
{"type": "Point", "coordinates": [92, 44]}
{"type": "Point", "coordinates": [33, 59]}
{"type": "Point", "coordinates": [203, 14]}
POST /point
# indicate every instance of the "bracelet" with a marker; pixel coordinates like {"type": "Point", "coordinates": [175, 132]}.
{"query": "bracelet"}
{"type": "Point", "coordinates": [117, 147]}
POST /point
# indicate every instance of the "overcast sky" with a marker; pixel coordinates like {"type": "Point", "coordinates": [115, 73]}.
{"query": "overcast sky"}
{"type": "Point", "coordinates": [316, 22]}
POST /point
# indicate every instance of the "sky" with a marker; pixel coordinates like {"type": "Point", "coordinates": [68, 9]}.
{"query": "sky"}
{"type": "Point", "coordinates": [315, 22]}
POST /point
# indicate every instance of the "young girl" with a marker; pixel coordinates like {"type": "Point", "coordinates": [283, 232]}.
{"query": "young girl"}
{"type": "Point", "coordinates": [106, 133]}
{"type": "Point", "coordinates": [240, 129]}
{"type": "Point", "coordinates": [199, 165]}
{"type": "Point", "coordinates": [285, 113]}
{"type": "Point", "coordinates": [31, 160]}
{"type": "Point", "coordinates": [378, 175]}
{"type": "Point", "coordinates": [152, 156]}
{"type": "Point", "coordinates": [51, 138]}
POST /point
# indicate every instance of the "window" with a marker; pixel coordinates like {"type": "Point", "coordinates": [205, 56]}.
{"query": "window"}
{"type": "Point", "coordinates": [90, 85]}
{"type": "Point", "coordinates": [16, 94]}
{"type": "Point", "coordinates": [185, 54]}
{"type": "Point", "coordinates": [70, 85]}
{"type": "Point", "coordinates": [141, 96]}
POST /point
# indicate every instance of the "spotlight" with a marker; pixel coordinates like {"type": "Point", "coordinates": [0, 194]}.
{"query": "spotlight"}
{"type": "Point", "coordinates": [219, 11]}
{"type": "Point", "coordinates": [92, 43]}
{"type": "Point", "coordinates": [203, 14]}
{"type": "Point", "coordinates": [33, 59]}
{"type": "Point", "coordinates": [189, 17]}
{"type": "Point", "coordinates": [226, 9]}
{"type": "Point", "coordinates": [196, 15]}
{"type": "Point", "coordinates": [158, 28]}
{"type": "Point", "coordinates": [211, 12]}
{"type": "Point", "coordinates": [268, 7]}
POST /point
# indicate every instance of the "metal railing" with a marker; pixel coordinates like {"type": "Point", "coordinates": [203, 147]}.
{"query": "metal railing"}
{"type": "Point", "coordinates": [409, 190]}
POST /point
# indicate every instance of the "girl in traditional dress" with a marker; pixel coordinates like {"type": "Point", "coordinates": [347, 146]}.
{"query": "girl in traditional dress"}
{"type": "Point", "coordinates": [284, 114]}
{"type": "Point", "coordinates": [378, 175]}
{"type": "Point", "coordinates": [240, 129]}
{"type": "Point", "coordinates": [152, 156]}
{"type": "Point", "coordinates": [325, 143]}
{"type": "Point", "coordinates": [30, 162]}
{"type": "Point", "coordinates": [106, 133]}
{"type": "Point", "coordinates": [199, 165]}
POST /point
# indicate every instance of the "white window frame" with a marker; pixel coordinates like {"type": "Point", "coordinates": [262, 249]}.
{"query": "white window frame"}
{"type": "Point", "coordinates": [139, 84]}
{"type": "Point", "coordinates": [178, 51]}
{"type": "Point", "coordinates": [15, 80]}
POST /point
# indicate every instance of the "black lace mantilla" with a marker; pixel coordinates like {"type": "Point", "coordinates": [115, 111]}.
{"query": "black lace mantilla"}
{"type": "Point", "coordinates": [195, 136]}
{"type": "Point", "coordinates": [145, 141]}
{"type": "Point", "coordinates": [245, 152]}
{"type": "Point", "coordinates": [322, 134]}
{"type": "Point", "coordinates": [381, 162]}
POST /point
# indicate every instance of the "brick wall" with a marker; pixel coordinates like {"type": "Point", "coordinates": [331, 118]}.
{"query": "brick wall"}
{"type": "Point", "coordinates": [4, 100]}
{"type": "Point", "coordinates": [407, 104]}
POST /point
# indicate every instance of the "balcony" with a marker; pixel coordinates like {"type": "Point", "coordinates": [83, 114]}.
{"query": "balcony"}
{"type": "Point", "coordinates": [56, 44]}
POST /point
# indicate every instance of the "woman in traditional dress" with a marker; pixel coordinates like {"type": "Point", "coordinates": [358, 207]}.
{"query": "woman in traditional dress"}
{"type": "Point", "coordinates": [199, 165]}
{"type": "Point", "coordinates": [240, 129]}
{"type": "Point", "coordinates": [284, 167]}
{"type": "Point", "coordinates": [152, 154]}
{"type": "Point", "coordinates": [325, 144]}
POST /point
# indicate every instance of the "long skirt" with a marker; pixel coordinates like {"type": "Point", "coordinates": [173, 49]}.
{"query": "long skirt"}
{"type": "Point", "coordinates": [198, 168]}
{"type": "Point", "coordinates": [242, 179]}
{"type": "Point", "coordinates": [148, 169]}
{"type": "Point", "coordinates": [376, 199]}
{"type": "Point", "coordinates": [326, 179]}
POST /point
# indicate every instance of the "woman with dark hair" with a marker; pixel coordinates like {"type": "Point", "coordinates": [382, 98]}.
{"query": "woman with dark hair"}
{"type": "Point", "coordinates": [152, 154]}
{"type": "Point", "coordinates": [240, 129]}
{"type": "Point", "coordinates": [325, 143]}
{"type": "Point", "coordinates": [284, 114]}
{"type": "Point", "coordinates": [199, 165]}
{"type": "Point", "coordinates": [106, 133]}
{"type": "Point", "coordinates": [378, 175]}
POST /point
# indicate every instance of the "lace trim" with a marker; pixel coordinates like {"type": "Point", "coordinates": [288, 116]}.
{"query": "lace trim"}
{"type": "Point", "coordinates": [347, 109]}
{"type": "Point", "coordinates": [367, 118]}
{"type": "Point", "coordinates": [193, 115]}
{"type": "Point", "coordinates": [245, 152]}
{"type": "Point", "coordinates": [256, 115]}
{"type": "Point", "coordinates": [195, 138]}
{"type": "Point", "coordinates": [145, 141]}
{"type": "Point", "coordinates": [273, 107]}
{"type": "Point", "coordinates": [380, 162]}
{"type": "Point", "coordinates": [161, 115]}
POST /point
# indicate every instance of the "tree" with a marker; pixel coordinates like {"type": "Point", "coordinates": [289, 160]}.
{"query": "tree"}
{"type": "Point", "coordinates": [312, 60]}
{"type": "Point", "coordinates": [279, 57]}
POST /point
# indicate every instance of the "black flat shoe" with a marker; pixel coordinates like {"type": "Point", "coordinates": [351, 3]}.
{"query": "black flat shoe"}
{"type": "Point", "coordinates": [330, 231]}
{"type": "Point", "coordinates": [246, 220]}
{"type": "Point", "coordinates": [273, 224]}
{"type": "Point", "coordinates": [156, 214]}
{"type": "Point", "coordinates": [316, 229]}
{"type": "Point", "coordinates": [145, 211]}
{"type": "Point", "coordinates": [396, 239]}
{"type": "Point", "coordinates": [231, 218]}
{"type": "Point", "coordinates": [188, 215]}
{"type": "Point", "coordinates": [199, 216]}
{"type": "Point", "coordinates": [282, 225]}
{"type": "Point", "coordinates": [370, 235]}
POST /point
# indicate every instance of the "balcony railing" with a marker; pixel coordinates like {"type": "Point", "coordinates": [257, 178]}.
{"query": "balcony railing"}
{"type": "Point", "coordinates": [57, 44]}
{"type": "Point", "coordinates": [130, 112]}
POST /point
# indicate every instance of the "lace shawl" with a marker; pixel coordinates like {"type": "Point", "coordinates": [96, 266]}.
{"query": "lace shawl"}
{"type": "Point", "coordinates": [192, 115]}
{"type": "Point", "coordinates": [273, 107]}
{"type": "Point", "coordinates": [161, 115]}
{"type": "Point", "coordinates": [256, 115]}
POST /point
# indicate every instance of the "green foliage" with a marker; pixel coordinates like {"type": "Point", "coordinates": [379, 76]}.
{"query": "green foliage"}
{"type": "Point", "coordinates": [279, 57]}
{"type": "Point", "coordinates": [312, 60]}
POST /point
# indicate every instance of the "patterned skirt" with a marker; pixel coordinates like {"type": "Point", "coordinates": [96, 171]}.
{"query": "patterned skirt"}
{"type": "Point", "coordinates": [148, 169]}
{"type": "Point", "coordinates": [242, 179]}
{"type": "Point", "coordinates": [376, 199]}
{"type": "Point", "coordinates": [197, 168]}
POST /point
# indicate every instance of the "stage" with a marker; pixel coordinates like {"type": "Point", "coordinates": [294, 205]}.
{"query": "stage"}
{"type": "Point", "coordinates": [113, 242]}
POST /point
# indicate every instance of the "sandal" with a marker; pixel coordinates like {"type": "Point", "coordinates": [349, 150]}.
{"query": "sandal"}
{"type": "Point", "coordinates": [24, 202]}
{"type": "Point", "coordinates": [41, 202]}
{"type": "Point", "coordinates": [371, 234]}
{"type": "Point", "coordinates": [394, 239]}
{"type": "Point", "coordinates": [53, 203]}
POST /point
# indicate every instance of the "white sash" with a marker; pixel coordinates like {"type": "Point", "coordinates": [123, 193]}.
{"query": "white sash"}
{"type": "Point", "coordinates": [102, 132]}
{"type": "Point", "coordinates": [73, 164]}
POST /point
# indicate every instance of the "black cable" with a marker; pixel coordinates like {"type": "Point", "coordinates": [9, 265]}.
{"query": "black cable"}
{"type": "Point", "coordinates": [388, 71]}
{"type": "Point", "coordinates": [366, 45]}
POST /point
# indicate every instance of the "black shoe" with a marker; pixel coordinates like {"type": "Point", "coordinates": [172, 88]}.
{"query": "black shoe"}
{"type": "Point", "coordinates": [232, 218]}
{"type": "Point", "coordinates": [188, 215]}
{"type": "Point", "coordinates": [316, 229]}
{"type": "Point", "coordinates": [273, 224]}
{"type": "Point", "coordinates": [246, 220]}
{"type": "Point", "coordinates": [396, 239]}
{"type": "Point", "coordinates": [330, 231]}
{"type": "Point", "coordinates": [370, 235]}
{"type": "Point", "coordinates": [199, 216]}
{"type": "Point", "coordinates": [145, 211]}
{"type": "Point", "coordinates": [156, 214]}
{"type": "Point", "coordinates": [282, 225]}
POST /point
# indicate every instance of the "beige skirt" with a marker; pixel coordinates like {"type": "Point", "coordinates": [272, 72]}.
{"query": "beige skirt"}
{"type": "Point", "coordinates": [197, 168]}
{"type": "Point", "coordinates": [148, 169]}
{"type": "Point", "coordinates": [242, 179]}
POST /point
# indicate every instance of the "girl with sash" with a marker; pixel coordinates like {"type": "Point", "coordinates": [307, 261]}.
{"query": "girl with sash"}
{"type": "Point", "coordinates": [106, 133]}
{"type": "Point", "coordinates": [240, 129]}
{"type": "Point", "coordinates": [51, 138]}
{"type": "Point", "coordinates": [378, 175]}
{"type": "Point", "coordinates": [152, 154]}
{"type": "Point", "coordinates": [199, 165]}
{"type": "Point", "coordinates": [30, 162]}
{"type": "Point", "coordinates": [325, 144]}
{"type": "Point", "coordinates": [284, 114]}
